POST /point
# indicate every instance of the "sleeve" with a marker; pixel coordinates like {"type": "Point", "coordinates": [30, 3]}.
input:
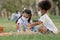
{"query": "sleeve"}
{"type": "Point", "coordinates": [42, 18]}
{"type": "Point", "coordinates": [19, 21]}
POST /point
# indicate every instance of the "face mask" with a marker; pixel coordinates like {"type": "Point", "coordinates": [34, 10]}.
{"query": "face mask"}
{"type": "Point", "coordinates": [39, 13]}
{"type": "Point", "coordinates": [24, 18]}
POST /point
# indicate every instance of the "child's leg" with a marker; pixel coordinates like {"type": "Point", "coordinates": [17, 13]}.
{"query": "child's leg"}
{"type": "Point", "coordinates": [42, 29]}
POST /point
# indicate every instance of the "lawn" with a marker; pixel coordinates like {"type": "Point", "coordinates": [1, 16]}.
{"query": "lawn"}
{"type": "Point", "coordinates": [9, 26]}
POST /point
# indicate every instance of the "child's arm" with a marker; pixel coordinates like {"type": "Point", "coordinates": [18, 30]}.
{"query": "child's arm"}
{"type": "Point", "coordinates": [40, 21]}
{"type": "Point", "coordinates": [34, 24]}
{"type": "Point", "coordinates": [17, 26]}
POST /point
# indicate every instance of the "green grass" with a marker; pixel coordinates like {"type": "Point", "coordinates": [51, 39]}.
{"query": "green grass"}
{"type": "Point", "coordinates": [10, 26]}
{"type": "Point", "coordinates": [31, 37]}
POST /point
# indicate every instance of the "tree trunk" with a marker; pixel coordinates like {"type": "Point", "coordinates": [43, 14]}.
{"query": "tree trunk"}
{"type": "Point", "coordinates": [53, 11]}
{"type": "Point", "coordinates": [59, 6]}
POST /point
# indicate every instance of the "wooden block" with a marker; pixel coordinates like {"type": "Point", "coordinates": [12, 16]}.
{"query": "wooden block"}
{"type": "Point", "coordinates": [1, 29]}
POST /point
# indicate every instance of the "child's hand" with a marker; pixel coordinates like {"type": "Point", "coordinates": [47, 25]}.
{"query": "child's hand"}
{"type": "Point", "coordinates": [17, 26]}
{"type": "Point", "coordinates": [28, 26]}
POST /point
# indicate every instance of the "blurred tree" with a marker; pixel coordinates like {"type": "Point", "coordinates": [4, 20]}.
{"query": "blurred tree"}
{"type": "Point", "coordinates": [12, 5]}
{"type": "Point", "coordinates": [57, 3]}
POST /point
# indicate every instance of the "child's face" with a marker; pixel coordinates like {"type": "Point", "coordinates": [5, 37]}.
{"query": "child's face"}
{"type": "Point", "coordinates": [26, 15]}
{"type": "Point", "coordinates": [41, 10]}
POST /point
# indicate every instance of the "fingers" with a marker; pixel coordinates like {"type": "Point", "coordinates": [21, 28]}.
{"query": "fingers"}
{"type": "Point", "coordinates": [28, 26]}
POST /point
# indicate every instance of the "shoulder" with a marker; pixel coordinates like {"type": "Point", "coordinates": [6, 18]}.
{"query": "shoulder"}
{"type": "Point", "coordinates": [19, 20]}
{"type": "Point", "coordinates": [43, 18]}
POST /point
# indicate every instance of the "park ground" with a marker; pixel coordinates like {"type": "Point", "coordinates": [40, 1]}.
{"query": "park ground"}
{"type": "Point", "coordinates": [9, 26]}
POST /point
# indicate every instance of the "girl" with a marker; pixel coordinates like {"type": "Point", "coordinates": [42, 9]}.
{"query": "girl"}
{"type": "Point", "coordinates": [23, 20]}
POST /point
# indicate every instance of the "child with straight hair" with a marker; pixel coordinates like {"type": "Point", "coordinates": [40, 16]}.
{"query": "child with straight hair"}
{"type": "Point", "coordinates": [24, 19]}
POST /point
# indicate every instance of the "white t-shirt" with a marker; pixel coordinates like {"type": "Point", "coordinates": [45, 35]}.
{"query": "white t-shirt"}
{"type": "Point", "coordinates": [22, 22]}
{"type": "Point", "coordinates": [19, 21]}
{"type": "Point", "coordinates": [47, 22]}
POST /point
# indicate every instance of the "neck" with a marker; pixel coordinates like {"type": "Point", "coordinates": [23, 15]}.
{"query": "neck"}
{"type": "Point", "coordinates": [44, 13]}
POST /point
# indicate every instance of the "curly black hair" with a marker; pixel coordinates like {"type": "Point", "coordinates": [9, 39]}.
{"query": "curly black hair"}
{"type": "Point", "coordinates": [44, 5]}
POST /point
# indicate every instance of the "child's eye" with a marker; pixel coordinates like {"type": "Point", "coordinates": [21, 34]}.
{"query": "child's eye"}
{"type": "Point", "coordinates": [26, 17]}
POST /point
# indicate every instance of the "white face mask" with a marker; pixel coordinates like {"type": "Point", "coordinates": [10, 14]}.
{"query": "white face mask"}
{"type": "Point", "coordinates": [24, 18]}
{"type": "Point", "coordinates": [39, 13]}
